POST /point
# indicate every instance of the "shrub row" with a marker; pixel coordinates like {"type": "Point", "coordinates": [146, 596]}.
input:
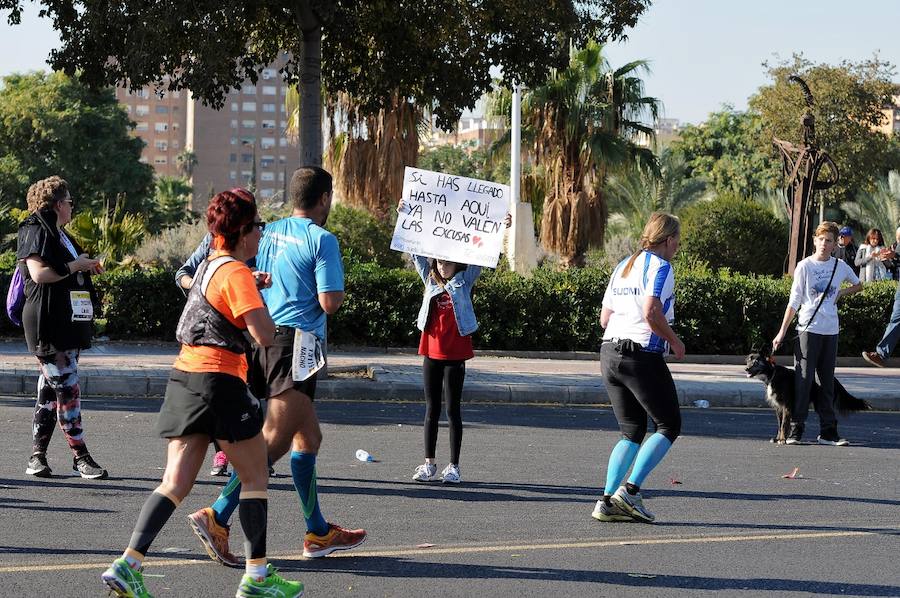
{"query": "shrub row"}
{"type": "Point", "coordinates": [555, 311]}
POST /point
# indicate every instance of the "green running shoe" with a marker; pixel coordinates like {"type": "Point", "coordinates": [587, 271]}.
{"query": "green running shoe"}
{"type": "Point", "coordinates": [124, 581]}
{"type": "Point", "coordinates": [273, 586]}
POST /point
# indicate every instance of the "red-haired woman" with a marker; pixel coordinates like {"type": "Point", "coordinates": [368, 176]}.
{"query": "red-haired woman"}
{"type": "Point", "coordinates": [207, 398]}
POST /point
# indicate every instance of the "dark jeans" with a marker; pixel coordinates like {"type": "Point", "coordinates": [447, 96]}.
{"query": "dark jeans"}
{"type": "Point", "coordinates": [892, 333]}
{"type": "Point", "coordinates": [815, 354]}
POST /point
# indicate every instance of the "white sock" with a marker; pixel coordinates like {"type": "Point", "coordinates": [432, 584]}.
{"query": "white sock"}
{"type": "Point", "coordinates": [132, 562]}
{"type": "Point", "coordinates": [257, 571]}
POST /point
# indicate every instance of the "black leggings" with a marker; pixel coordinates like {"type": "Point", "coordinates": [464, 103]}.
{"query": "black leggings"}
{"type": "Point", "coordinates": [640, 384]}
{"type": "Point", "coordinates": [443, 378]}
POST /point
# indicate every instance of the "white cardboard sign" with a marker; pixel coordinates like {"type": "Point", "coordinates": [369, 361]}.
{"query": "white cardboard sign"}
{"type": "Point", "coordinates": [452, 218]}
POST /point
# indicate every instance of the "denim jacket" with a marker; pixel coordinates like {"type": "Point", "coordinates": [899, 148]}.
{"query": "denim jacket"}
{"type": "Point", "coordinates": [460, 290]}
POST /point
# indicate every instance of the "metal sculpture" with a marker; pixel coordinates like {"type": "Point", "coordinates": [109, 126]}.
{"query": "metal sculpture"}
{"type": "Point", "coordinates": [801, 167]}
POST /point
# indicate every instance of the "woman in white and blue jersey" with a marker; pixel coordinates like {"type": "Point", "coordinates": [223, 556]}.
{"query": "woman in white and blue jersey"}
{"type": "Point", "coordinates": [638, 310]}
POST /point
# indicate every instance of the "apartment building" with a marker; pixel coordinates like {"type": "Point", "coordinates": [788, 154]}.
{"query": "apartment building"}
{"type": "Point", "coordinates": [890, 126]}
{"type": "Point", "coordinates": [243, 144]}
{"type": "Point", "coordinates": [160, 123]}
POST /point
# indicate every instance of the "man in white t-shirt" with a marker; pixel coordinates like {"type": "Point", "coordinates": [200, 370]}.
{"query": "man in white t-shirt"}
{"type": "Point", "coordinates": [814, 294]}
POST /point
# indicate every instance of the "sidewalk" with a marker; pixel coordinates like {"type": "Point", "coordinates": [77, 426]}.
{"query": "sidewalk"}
{"type": "Point", "coordinates": [131, 370]}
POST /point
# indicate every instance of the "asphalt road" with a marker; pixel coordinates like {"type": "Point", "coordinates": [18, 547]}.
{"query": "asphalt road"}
{"type": "Point", "coordinates": [519, 525]}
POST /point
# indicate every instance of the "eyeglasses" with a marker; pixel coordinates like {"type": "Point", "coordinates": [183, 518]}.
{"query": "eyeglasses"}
{"type": "Point", "coordinates": [70, 201]}
{"type": "Point", "coordinates": [260, 225]}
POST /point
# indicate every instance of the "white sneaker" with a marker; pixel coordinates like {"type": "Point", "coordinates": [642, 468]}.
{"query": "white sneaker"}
{"type": "Point", "coordinates": [632, 504]}
{"type": "Point", "coordinates": [426, 472]}
{"type": "Point", "coordinates": [450, 475]}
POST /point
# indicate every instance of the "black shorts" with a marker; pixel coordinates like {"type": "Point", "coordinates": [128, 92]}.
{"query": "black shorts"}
{"type": "Point", "coordinates": [218, 405]}
{"type": "Point", "coordinates": [271, 370]}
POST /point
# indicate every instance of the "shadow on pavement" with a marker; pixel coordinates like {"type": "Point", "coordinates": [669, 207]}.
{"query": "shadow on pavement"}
{"type": "Point", "coordinates": [389, 567]}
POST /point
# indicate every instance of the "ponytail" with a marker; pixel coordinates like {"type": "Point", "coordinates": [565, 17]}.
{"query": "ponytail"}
{"type": "Point", "coordinates": [660, 227]}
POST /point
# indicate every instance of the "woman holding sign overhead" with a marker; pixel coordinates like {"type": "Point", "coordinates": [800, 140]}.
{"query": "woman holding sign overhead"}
{"type": "Point", "coordinates": [447, 321]}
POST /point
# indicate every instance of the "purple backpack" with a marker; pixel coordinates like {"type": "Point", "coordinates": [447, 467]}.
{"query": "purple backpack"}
{"type": "Point", "coordinates": [15, 297]}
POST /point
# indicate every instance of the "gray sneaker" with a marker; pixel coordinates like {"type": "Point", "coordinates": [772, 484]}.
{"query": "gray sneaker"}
{"type": "Point", "coordinates": [426, 472]}
{"type": "Point", "coordinates": [632, 504]}
{"type": "Point", "coordinates": [86, 467]}
{"type": "Point", "coordinates": [613, 512]}
{"type": "Point", "coordinates": [37, 466]}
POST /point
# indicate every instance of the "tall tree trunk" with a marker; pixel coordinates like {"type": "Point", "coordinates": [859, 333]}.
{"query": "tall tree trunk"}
{"type": "Point", "coordinates": [310, 88]}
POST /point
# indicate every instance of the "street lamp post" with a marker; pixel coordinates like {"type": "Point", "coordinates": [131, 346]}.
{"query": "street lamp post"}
{"type": "Point", "coordinates": [520, 250]}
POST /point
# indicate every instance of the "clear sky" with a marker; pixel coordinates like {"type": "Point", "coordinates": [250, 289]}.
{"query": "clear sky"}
{"type": "Point", "coordinates": [704, 53]}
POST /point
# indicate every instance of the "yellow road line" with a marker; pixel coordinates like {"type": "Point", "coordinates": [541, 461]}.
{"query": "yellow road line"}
{"type": "Point", "coordinates": [574, 545]}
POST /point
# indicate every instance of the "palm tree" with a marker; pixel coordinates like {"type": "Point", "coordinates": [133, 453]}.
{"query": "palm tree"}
{"type": "Point", "coordinates": [583, 122]}
{"type": "Point", "coordinates": [111, 232]}
{"type": "Point", "coordinates": [880, 208]}
{"type": "Point", "coordinates": [635, 194]}
{"type": "Point", "coordinates": [366, 153]}
{"type": "Point", "coordinates": [186, 161]}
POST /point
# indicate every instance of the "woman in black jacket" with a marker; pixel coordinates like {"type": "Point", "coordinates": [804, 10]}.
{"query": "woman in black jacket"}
{"type": "Point", "coordinates": [58, 318]}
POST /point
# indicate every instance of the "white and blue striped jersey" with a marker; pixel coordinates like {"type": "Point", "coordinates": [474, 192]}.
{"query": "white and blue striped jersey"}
{"type": "Point", "coordinates": [650, 276]}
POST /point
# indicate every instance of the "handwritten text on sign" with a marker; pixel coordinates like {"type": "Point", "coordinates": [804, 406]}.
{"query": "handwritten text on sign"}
{"type": "Point", "coordinates": [452, 218]}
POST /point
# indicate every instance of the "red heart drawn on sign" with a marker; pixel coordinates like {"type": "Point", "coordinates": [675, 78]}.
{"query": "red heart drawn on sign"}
{"type": "Point", "coordinates": [476, 240]}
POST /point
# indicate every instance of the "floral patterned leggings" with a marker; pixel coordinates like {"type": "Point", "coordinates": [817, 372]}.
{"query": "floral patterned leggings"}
{"type": "Point", "coordinates": [58, 400]}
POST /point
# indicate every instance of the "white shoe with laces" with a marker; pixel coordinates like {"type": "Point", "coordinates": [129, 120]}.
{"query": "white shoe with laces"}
{"type": "Point", "coordinates": [426, 472]}
{"type": "Point", "coordinates": [450, 475]}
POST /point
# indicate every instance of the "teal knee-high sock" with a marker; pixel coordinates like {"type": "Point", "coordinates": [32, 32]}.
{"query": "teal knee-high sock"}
{"type": "Point", "coordinates": [620, 460]}
{"type": "Point", "coordinates": [651, 453]}
{"type": "Point", "coordinates": [228, 500]}
{"type": "Point", "coordinates": [303, 470]}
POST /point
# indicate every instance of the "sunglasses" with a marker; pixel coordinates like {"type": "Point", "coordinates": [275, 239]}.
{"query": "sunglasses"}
{"type": "Point", "coordinates": [260, 225]}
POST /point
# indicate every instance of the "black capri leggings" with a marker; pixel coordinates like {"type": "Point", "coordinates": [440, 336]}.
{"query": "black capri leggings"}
{"type": "Point", "coordinates": [640, 384]}
{"type": "Point", "coordinates": [443, 378]}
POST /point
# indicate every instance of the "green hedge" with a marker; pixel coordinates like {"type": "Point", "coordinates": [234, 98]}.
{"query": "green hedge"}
{"type": "Point", "coordinates": [720, 313]}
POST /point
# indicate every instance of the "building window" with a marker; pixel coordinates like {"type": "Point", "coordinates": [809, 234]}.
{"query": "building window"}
{"type": "Point", "coordinates": [176, 94]}
{"type": "Point", "coordinates": [268, 74]}
{"type": "Point", "coordinates": [267, 142]}
{"type": "Point", "coordinates": [268, 107]}
{"type": "Point", "coordinates": [175, 126]}
{"type": "Point", "coordinates": [161, 127]}
{"type": "Point", "coordinates": [246, 174]}
{"type": "Point", "coordinates": [246, 158]}
{"type": "Point", "coordinates": [175, 144]}
{"type": "Point", "coordinates": [143, 160]}
{"type": "Point", "coordinates": [248, 107]}
{"type": "Point", "coordinates": [248, 141]}
{"type": "Point", "coordinates": [234, 106]}
{"type": "Point", "coordinates": [234, 123]}
{"type": "Point", "coordinates": [269, 90]}
{"type": "Point", "coordinates": [142, 109]}
{"type": "Point", "coordinates": [232, 175]}
{"type": "Point", "coordinates": [267, 162]}
{"type": "Point", "coordinates": [128, 109]}
{"type": "Point", "coordinates": [144, 93]}
{"type": "Point", "coordinates": [161, 145]}
{"type": "Point", "coordinates": [248, 124]}
{"type": "Point", "coordinates": [282, 160]}
{"type": "Point", "coordinates": [162, 109]}
{"type": "Point", "coordinates": [281, 177]}
{"type": "Point", "coordinates": [160, 160]}
{"type": "Point", "coordinates": [266, 193]}
{"type": "Point", "coordinates": [141, 126]}
{"type": "Point", "coordinates": [249, 90]}
{"type": "Point", "coordinates": [284, 91]}
{"type": "Point", "coordinates": [283, 142]}
{"type": "Point", "coordinates": [232, 157]}
{"type": "Point", "coordinates": [268, 124]}
{"type": "Point", "coordinates": [283, 109]}
{"type": "Point", "coordinates": [233, 141]}
{"type": "Point", "coordinates": [267, 176]}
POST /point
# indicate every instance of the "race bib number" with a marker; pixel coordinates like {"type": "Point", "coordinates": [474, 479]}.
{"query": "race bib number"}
{"type": "Point", "coordinates": [82, 308]}
{"type": "Point", "coordinates": [308, 357]}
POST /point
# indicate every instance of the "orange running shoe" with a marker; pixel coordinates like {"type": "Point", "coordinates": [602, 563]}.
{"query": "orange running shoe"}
{"type": "Point", "coordinates": [337, 538]}
{"type": "Point", "coordinates": [213, 536]}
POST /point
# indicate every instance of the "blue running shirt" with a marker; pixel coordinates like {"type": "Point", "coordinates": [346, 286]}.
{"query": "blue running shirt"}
{"type": "Point", "coordinates": [304, 260]}
{"type": "Point", "coordinates": [650, 276]}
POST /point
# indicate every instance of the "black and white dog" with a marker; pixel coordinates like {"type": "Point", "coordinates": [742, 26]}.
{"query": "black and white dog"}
{"type": "Point", "coordinates": [779, 381]}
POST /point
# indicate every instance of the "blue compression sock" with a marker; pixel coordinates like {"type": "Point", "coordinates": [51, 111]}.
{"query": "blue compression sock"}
{"type": "Point", "coordinates": [303, 470]}
{"type": "Point", "coordinates": [228, 500]}
{"type": "Point", "coordinates": [651, 453]}
{"type": "Point", "coordinates": [620, 460]}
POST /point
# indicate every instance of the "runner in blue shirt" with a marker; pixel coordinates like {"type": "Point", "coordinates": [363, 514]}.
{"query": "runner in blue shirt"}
{"type": "Point", "coordinates": [307, 284]}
